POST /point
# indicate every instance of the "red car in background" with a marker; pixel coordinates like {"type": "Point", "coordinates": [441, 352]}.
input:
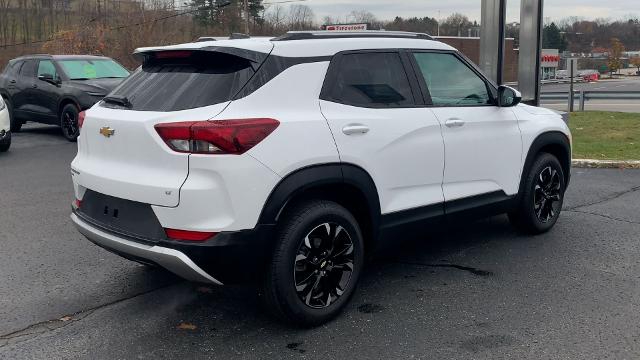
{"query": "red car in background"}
{"type": "Point", "coordinates": [590, 75]}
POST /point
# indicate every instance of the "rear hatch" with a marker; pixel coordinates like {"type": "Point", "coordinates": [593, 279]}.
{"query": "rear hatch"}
{"type": "Point", "coordinates": [120, 154]}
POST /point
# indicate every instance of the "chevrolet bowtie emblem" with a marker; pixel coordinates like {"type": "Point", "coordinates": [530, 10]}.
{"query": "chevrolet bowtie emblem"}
{"type": "Point", "coordinates": [107, 131]}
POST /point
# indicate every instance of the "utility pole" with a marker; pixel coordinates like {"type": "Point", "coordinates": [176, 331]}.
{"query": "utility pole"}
{"type": "Point", "coordinates": [246, 19]}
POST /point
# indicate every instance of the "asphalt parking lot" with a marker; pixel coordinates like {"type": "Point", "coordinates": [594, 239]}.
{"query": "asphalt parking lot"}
{"type": "Point", "coordinates": [477, 291]}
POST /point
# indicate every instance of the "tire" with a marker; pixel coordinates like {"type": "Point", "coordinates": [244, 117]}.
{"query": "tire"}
{"type": "Point", "coordinates": [5, 143]}
{"type": "Point", "coordinates": [69, 122]}
{"type": "Point", "coordinates": [16, 124]}
{"type": "Point", "coordinates": [302, 245]}
{"type": "Point", "coordinates": [540, 201]}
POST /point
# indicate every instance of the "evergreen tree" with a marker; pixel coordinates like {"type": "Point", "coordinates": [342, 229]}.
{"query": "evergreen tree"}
{"type": "Point", "coordinates": [552, 38]}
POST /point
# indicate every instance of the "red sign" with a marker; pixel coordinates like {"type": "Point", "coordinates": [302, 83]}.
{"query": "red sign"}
{"type": "Point", "coordinates": [550, 58]}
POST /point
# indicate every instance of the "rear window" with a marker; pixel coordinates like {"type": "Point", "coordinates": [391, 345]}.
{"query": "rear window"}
{"type": "Point", "coordinates": [192, 80]}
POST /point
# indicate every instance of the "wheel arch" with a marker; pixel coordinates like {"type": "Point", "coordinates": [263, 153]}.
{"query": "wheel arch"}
{"type": "Point", "coordinates": [555, 143]}
{"type": "Point", "coordinates": [348, 185]}
{"type": "Point", "coordinates": [66, 101]}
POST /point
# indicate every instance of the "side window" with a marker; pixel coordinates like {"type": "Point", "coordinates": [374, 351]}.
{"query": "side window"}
{"type": "Point", "coordinates": [47, 67]}
{"type": "Point", "coordinates": [371, 80]}
{"type": "Point", "coordinates": [13, 68]}
{"type": "Point", "coordinates": [28, 69]}
{"type": "Point", "coordinates": [451, 82]}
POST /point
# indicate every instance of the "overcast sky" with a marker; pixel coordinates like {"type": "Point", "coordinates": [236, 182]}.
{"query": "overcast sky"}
{"type": "Point", "coordinates": [554, 9]}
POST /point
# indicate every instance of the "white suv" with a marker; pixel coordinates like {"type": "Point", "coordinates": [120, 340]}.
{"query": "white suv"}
{"type": "Point", "coordinates": [5, 127]}
{"type": "Point", "coordinates": [289, 160]}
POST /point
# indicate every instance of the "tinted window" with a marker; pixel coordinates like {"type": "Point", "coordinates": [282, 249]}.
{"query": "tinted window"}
{"type": "Point", "coordinates": [78, 69]}
{"type": "Point", "coordinates": [13, 68]}
{"type": "Point", "coordinates": [451, 82]}
{"type": "Point", "coordinates": [28, 69]}
{"type": "Point", "coordinates": [372, 80]}
{"type": "Point", "coordinates": [201, 79]}
{"type": "Point", "coordinates": [47, 67]}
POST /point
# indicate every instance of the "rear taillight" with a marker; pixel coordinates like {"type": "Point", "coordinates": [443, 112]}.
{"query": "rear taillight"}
{"type": "Point", "coordinates": [188, 235]}
{"type": "Point", "coordinates": [81, 119]}
{"type": "Point", "coordinates": [77, 203]}
{"type": "Point", "coordinates": [217, 136]}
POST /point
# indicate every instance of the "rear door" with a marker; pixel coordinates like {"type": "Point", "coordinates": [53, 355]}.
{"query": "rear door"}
{"type": "Point", "coordinates": [119, 151]}
{"type": "Point", "coordinates": [24, 87]}
{"type": "Point", "coordinates": [483, 146]}
{"type": "Point", "coordinates": [379, 123]}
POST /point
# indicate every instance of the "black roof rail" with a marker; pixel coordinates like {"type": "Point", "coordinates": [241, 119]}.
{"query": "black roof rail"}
{"type": "Point", "coordinates": [323, 34]}
{"type": "Point", "coordinates": [235, 36]}
{"type": "Point", "coordinates": [206, 38]}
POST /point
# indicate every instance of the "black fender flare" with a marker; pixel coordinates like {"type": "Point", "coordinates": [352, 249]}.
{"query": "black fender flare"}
{"type": "Point", "coordinates": [546, 139]}
{"type": "Point", "coordinates": [66, 99]}
{"type": "Point", "coordinates": [316, 176]}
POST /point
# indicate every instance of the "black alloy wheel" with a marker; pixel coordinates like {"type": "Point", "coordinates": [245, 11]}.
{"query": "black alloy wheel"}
{"type": "Point", "coordinates": [539, 202]}
{"type": "Point", "coordinates": [324, 265]}
{"type": "Point", "coordinates": [547, 196]}
{"type": "Point", "coordinates": [69, 122]}
{"type": "Point", "coordinates": [316, 262]}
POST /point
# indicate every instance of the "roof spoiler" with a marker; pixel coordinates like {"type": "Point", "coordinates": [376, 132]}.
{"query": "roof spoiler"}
{"type": "Point", "coordinates": [143, 54]}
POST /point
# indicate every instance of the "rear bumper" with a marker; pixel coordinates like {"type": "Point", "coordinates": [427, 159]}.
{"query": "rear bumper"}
{"type": "Point", "coordinates": [170, 259]}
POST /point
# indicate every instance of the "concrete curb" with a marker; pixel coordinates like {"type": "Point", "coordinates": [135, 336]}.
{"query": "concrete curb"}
{"type": "Point", "coordinates": [606, 164]}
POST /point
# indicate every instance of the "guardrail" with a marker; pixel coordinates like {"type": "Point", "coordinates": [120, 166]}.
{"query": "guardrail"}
{"type": "Point", "coordinates": [585, 95]}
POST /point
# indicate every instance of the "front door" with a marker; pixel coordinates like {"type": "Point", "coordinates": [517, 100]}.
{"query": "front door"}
{"type": "Point", "coordinates": [45, 100]}
{"type": "Point", "coordinates": [380, 125]}
{"type": "Point", "coordinates": [483, 146]}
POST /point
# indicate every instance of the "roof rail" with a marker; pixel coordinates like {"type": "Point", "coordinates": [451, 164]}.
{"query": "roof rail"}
{"type": "Point", "coordinates": [206, 38]}
{"type": "Point", "coordinates": [324, 34]}
{"type": "Point", "coordinates": [235, 36]}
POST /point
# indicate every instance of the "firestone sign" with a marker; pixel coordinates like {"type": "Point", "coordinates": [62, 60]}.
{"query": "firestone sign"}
{"type": "Point", "coordinates": [550, 58]}
{"type": "Point", "coordinates": [345, 27]}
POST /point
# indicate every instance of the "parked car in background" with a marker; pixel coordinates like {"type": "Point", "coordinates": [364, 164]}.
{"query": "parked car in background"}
{"type": "Point", "coordinates": [54, 89]}
{"type": "Point", "coordinates": [590, 75]}
{"type": "Point", "coordinates": [5, 127]}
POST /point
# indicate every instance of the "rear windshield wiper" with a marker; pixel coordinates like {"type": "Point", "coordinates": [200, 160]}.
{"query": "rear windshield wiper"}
{"type": "Point", "coordinates": [119, 100]}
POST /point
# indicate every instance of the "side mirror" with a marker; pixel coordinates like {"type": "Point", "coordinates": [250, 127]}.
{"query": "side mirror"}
{"type": "Point", "coordinates": [508, 96]}
{"type": "Point", "coordinates": [49, 78]}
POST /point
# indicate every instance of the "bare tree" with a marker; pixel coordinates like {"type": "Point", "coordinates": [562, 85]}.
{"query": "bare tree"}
{"type": "Point", "coordinates": [276, 17]}
{"type": "Point", "coordinates": [301, 17]}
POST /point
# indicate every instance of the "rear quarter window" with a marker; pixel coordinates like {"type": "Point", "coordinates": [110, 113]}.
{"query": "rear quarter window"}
{"type": "Point", "coordinates": [172, 84]}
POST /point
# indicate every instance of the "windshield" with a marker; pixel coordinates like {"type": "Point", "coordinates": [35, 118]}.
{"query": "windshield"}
{"type": "Point", "coordinates": [84, 69]}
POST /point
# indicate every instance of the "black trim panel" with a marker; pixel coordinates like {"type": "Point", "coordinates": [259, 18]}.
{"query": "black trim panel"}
{"type": "Point", "coordinates": [272, 67]}
{"type": "Point", "coordinates": [411, 216]}
{"type": "Point", "coordinates": [475, 202]}
{"type": "Point", "coordinates": [315, 176]}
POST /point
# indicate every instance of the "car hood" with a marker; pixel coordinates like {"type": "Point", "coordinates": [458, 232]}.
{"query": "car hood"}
{"type": "Point", "coordinates": [534, 110]}
{"type": "Point", "coordinates": [103, 86]}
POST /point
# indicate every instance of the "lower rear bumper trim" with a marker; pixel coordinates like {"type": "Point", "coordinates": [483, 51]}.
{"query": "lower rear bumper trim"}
{"type": "Point", "coordinates": [170, 259]}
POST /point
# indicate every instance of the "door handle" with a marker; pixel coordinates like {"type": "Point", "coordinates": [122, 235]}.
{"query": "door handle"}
{"type": "Point", "coordinates": [12, 82]}
{"type": "Point", "coordinates": [454, 122]}
{"type": "Point", "coordinates": [35, 86]}
{"type": "Point", "coordinates": [352, 129]}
